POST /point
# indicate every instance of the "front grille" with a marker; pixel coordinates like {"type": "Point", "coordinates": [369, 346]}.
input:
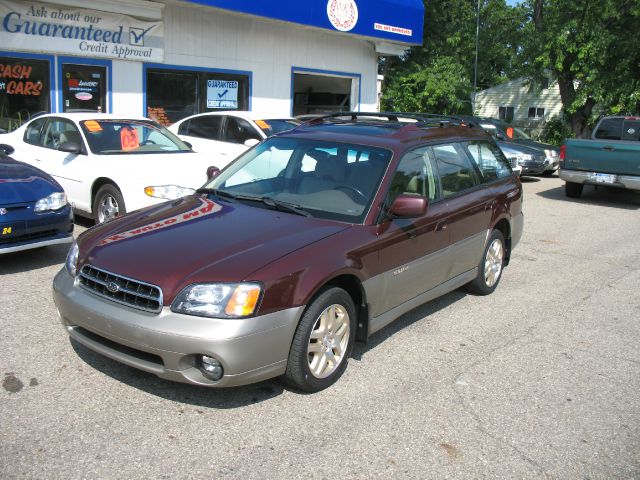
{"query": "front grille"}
{"type": "Point", "coordinates": [28, 237]}
{"type": "Point", "coordinates": [123, 290]}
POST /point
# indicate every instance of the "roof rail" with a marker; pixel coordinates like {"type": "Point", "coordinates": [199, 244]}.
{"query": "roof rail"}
{"type": "Point", "coordinates": [417, 119]}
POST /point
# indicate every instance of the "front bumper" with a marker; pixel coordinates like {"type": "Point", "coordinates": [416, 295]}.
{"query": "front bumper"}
{"type": "Point", "coordinates": [23, 230]}
{"type": "Point", "coordinates": [630, 182]}
{"type": "Point", "coordinates": [168, 344]}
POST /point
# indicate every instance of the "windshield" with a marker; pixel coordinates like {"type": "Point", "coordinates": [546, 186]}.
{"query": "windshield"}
{"type": "Point", "coordinates": [113, 137]}
{"type": "Point", "coordinates": [324, 179]}
{"type": "Point", "coordinates": [271, 127]}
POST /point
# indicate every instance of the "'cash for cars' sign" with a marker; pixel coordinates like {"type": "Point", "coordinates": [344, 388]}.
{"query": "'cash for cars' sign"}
{"type": "Point", "coordinates": [222, 94]}
{"type": "Point", "coordinates": [43, 27]}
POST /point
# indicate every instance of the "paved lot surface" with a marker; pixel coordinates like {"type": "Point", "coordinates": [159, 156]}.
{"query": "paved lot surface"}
{"type": "Point", "coordinates": [538, 380]}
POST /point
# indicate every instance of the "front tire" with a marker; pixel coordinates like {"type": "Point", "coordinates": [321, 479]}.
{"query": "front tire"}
{"type": "Point", "coordinates": [491, 266]}
{"type": "Point", "coordinates": [323, 342]}
{"type": "Point", "coordinates": [108, 204]}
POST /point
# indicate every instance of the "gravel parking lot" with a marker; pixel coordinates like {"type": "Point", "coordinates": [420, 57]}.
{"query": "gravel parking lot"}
{"type": "Point", "coordinates": [538, 380]}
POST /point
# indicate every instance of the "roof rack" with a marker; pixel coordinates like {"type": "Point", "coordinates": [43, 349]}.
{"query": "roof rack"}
{"type": "Point", "coordinates": [417, 119]}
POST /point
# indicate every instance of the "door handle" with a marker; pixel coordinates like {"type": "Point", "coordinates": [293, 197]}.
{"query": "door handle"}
{"type": "Point", "coordinates": [608, 148]}
{"type": "Point", "coordinates": [441, 226]}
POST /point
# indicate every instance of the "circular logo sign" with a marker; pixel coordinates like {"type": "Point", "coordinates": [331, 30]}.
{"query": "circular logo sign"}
{"type": "Point", "coordinates": [343, 14]}
{"type": "Point", "coordinates": [113, 287]}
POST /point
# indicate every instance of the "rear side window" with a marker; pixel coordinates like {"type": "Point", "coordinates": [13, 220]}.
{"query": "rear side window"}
{"type": "Point", "coordinates": [457, 174]}
{"type": "Point", "coordinates": [203, 127]}
{"type": "Point", "coordinates": [490, 161]}
{"type": "Point", "coordinates": [610, 129]}
{"type": "Point", "coordinates": [33, 131]}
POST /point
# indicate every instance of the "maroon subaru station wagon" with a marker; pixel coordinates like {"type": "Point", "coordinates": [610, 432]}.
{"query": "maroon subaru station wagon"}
{"type": "Point", "coordinates": [311, 240]}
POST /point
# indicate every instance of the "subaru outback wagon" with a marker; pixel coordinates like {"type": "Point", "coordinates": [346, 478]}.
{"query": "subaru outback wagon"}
{"type": "Point", "coordinates": [314, 239]}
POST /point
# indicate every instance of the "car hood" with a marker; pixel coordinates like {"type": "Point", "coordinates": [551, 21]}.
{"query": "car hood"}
{"type": "Point", "coordinates": [195, 239]}
{"type": "Point", "coordinates": [536, 145]}
{"type": "Point", "coordinates": [183, 169]}
{"type": "Point", "coordinates": [21, 183]}
{"type": "Point", "coordinates": [510, 149]}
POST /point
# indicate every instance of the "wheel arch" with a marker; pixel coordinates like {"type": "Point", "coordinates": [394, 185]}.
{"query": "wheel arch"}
{"type": "Point", "coordinates": [353, 286]}
{"type": "Point", "coordinates": [98, 183]}
{"type": "Point", "coordinates": [504, 227]}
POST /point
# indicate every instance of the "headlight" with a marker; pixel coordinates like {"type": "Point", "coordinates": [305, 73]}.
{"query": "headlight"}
{"type": "Point", "coordinates": [218, 300]}
{"type": "Point", "coordinates": [55, 201]}
{"type": "Point", "coordinates": [71, 262]}
{"type": "Point", "coordinates": [551, 153]}
{"type": "Point", "coordinates": [169, 192]}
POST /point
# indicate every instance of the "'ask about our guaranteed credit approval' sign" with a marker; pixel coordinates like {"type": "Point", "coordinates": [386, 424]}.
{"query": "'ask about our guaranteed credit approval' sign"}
{"type": "Point", "coordinates": [43, 27]}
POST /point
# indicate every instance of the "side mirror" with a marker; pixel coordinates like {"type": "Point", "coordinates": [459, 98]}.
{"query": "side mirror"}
{"type": "Point", "coordinates": [212, 172]}
{"type": "Point", "coordinates": [499, 136]}
{"type": "Point", "coordinates": [252, 142]}
{"type": "Point", "coordinates": [188, 144]}
{"type": "Point", "coordinates": [6, 149]}
{"type": "Point", "coordinates": [408, 206]}
{"type": "Point", "coordinates": [70, 147]}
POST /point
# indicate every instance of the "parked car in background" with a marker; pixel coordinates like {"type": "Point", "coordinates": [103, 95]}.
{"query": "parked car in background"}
{"type": "Point", "coordinates": [227, 134]}
{"type": "Point", "coordinates": [507, 135]}
{"type": "Point", "coordinates": [524, 160]}
{"type": "Point", "coordinates": [34, 211]}
{"type": "Point", "coordinates": [107, 164]}
{"type": "Point", "coordinates": [611, 158]}
{"type": "Point", "coordinates": [359, 219]}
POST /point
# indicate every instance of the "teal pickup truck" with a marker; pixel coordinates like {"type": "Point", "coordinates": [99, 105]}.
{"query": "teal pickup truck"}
{"type": "Point", "coordinates": [611, 158]}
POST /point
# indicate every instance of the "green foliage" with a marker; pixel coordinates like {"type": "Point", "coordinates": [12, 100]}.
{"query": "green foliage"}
{"type": "Point", "coordinates": [438, 77]}
{"type": "Point", "coordinates": [555, 131]}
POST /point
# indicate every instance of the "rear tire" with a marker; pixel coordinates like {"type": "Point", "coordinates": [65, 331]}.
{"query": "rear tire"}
{"type": "Point", "coordinates": [323, 342]}
{"type": "Point", "coordinates": [490, 267]}
{"type": "Point", "coordinates": [573, 190]}
{"type": "Point", "coordinates": [108, 204]}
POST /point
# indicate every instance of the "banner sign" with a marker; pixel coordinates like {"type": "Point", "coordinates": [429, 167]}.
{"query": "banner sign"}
{"type": "Point", "coordinates": [43, 27]}
{"type": "Point", "coordinates": [399, 21]}
{"type": "Point", "coordinates": [222, 94]}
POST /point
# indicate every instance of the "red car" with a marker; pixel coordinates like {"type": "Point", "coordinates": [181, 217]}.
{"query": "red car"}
{"type": "Point", "coordinates": [313, 239]}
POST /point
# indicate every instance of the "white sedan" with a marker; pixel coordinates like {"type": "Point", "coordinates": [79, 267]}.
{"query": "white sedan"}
{"type": "Point", "coordinates": [109, 165]}
{"type": "Point", "coordinates": [227, 134]}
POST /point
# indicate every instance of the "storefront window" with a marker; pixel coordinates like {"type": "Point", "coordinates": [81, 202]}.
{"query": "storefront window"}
{"type": "Point", "coordinates": [24, 90]}
{"type": "Point", "coordinates": [176, 94]}
{"type": "Point", "coordinates": [84, 87]}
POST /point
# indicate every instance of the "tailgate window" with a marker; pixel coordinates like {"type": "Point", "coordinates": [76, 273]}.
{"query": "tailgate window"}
{"type": "Point", "coordinates": [631, 130]}
{"type": "Point", "coordinates": [610, 129]}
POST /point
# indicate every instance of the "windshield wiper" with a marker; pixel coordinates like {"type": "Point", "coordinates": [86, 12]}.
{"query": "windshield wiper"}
{"type": "Point", "coordinates": [284, 206]}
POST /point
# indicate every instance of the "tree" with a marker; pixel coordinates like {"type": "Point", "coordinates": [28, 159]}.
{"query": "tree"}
{"type": "Point", "coordinates": [588, 47]}
{"type": "Point", "coordinates": [438, 76]}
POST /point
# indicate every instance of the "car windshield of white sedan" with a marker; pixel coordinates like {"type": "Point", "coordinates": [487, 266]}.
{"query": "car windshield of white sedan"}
{"type": "Point", "coordinates": [321, 179]}
{"type": "Point", "coordinates": [273, 126]}
{"type": "Point", "coordinates": [115, 137]}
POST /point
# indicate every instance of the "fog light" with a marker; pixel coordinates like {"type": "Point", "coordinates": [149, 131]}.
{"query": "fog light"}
{"type": "Point", "coordinates": [210, 367]}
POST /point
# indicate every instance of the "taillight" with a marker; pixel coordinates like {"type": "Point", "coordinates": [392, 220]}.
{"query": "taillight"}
{"type": "Point", "coordinates": [563, 155]}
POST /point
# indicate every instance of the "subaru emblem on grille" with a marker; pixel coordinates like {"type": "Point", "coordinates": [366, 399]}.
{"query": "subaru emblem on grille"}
{"type": "Point", "coordinates": [3, 211]}
{"type": "Point", "coordinates": [113, 287]}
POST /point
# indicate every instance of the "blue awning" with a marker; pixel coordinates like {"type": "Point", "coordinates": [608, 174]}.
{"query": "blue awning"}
{"type": "Point", "coordinates": [397, 21]}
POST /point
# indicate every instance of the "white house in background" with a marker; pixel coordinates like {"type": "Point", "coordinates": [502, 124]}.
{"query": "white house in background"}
{"type": "Point", "coordinates": [515, 101]}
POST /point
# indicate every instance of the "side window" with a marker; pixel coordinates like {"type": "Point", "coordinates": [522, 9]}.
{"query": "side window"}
{"type": "Point", "coordinates": [204, 127]}
{"type": "Point", "coordinates": [456, 171]}
{"type": "Point", "coordinates": [416, 174]}
{"type": "Point", "coordinates": [34, 131]}
{"type": "Point", "coordinates": [610, 129]}
{"type": "Point", "coordinates": [59, 131]}
{"type": "Point", "coordinates": [490, 160]}
{"type": "Point", "coordinates": [238, 130]}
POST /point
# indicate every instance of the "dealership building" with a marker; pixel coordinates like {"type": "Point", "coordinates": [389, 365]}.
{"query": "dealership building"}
{"type": "Point", "coordinates": [169, 59]}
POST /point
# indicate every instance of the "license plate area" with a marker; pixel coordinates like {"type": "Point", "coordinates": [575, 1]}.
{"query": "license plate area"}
{"type": "Point", "coordinates": [604, 178]}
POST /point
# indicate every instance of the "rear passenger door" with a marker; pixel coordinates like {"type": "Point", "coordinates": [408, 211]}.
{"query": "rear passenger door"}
{"type": "Point", "coordinates": [469, 207]}
{"type": "Point", "coordinates": [203, 133]}
{"type": "Point", "coordinates": [235, 133]}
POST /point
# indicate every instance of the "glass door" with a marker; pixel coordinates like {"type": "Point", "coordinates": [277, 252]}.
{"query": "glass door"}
{"type": "Point", "coordinates": [84, 87]}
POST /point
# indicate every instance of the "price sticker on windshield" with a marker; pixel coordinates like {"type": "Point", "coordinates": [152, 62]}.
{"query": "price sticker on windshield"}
{"type": "Point", "coordinates": [129, 138]}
